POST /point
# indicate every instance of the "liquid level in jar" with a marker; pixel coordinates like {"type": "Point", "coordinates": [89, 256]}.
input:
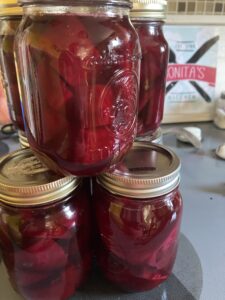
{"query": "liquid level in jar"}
{"type": "Point", "coordinates": [8, 69]}
{"type": "Point", "coordinates": [153, 75]}
{"type": "Point", "coordinates": [82, 97]}
{"type": "Point", "coordinates": [137, 239]}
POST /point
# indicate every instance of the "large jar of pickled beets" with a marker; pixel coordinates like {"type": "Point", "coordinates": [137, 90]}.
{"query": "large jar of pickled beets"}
{"type": "Point", "coordinates": [147, 17]}
{"type": "Point", "coordinates": [44, 228]}
{"type": "Point", "coordinates": [80, 64]}
{"type": "Point", "coordinates": [138, 212]}
{"type": "Point", "coordinates": [10, 17]}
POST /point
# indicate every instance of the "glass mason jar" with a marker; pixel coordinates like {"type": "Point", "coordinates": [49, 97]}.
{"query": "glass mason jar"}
{"type": "Point", "coordinates": [10, 17]}
{"type": "Point", "coordinates": [80, 64]}
{"type": "Point", "coordinates": [147, 18]}
{"type": "Point", "coordinates": [44, 228]}
{"type": "Point", "coordinates": [138, 212]}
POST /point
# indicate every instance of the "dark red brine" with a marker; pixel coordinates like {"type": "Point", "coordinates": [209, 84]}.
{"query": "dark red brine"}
{"type": "Point", "coordinates": [8, 27]}
{"type": "Point", "coordinates": [45, 247]}
{"type": "Point", "coordinates": [137, 234]}
{"type": "Point", "coordinates": [147, 18]}
{"type": "Point", "coordinates": [47, 250]}
{"type": "Point", "coordinates": [82, 70]}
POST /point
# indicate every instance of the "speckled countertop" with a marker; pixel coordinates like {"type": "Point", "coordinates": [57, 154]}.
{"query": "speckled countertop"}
{"type": "Point", "coordinates": [199, 271]}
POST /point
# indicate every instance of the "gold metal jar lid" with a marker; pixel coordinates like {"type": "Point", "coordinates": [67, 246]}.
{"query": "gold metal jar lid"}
{"type": "Point", "coordinates": [26, 181]}
{"type": "Point", "coordinates": [148, 170]}
{"type": "Point", "coordinates": [155, 9]}
{"type": "Point", "coordinates": [23, 139]}
{"type": "Point", "coordinates": [10, 8]}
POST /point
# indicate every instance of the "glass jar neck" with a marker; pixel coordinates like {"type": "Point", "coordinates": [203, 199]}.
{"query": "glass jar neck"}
{"type": "Point", "coordinates": [154, 26]}
{"type": "Point", "coordinates": [150, 21]}
{"type": "Point", "coordinates": [78, 9]}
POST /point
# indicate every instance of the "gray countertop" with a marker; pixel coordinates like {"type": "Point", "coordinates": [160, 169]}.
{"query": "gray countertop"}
{"type": "Point", "coordinates": [199, 271]}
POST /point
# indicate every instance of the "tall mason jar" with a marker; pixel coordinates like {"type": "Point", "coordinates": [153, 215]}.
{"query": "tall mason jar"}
{"type": "Point", "coordinates": [45, 228]}
{"type": "Point", "coordinates": [138, 210]}
{"type": "Point", "coordinates": [10, 18]}
{"type": "Point", "coordinates": [148, 19]}
{"type": "Point", "coordinates": [80, 65]}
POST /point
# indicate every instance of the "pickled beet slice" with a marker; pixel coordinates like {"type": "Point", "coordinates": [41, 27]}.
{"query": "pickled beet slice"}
{"type": "Point", "coordinates": [25, 278]}
{"type": "Point", "coordinates": [38, 228]}
{"type": "Point", "coordinates": [71, 281]}
{"type": "Point", "coordinates": [73, 79]}
{"type": "Point", "coordinates": [60, 287]}
{"type": "Point", "coordinates": [129, 277]}
{"type": "Point", "coordinates": [50, 290]}
{"type": "Point", "coordinates": [50, 91]}
{"type": "Point", "coordinates": [90, 104]}
{"type": "Point", "coordinates": [83, 268]}
{"type": "Point", "coordinates": [80, 245]}
{"type": "Point", "coordinates": [44, 255]}
{"type": "Point", "coordinates": [114, 48]}
{"type": "Point", "coordinates": [72, 33]}
{"type": "Point", "coordinates": [101, 101]}
{"type": "Point", "coordinates": [74, 277]}
{"type": "Point", "coordinates": [153, 76]}
{"type": "Point", "coordinates": [94, 146]}
{"type": "Point", "coordinates": [31, 228]}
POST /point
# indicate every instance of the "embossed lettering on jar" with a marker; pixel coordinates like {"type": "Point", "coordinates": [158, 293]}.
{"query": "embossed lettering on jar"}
{"type": "Point", "coordinates": [10, 17]}
{"type": "Point", "coordinates": [81, 64]}
{"type": "Point", "coordinates": [147, 18]}
{"type": "Point", "coordinates": [138, 212]}
{"type": "Point", "coordinates": [45, 230]}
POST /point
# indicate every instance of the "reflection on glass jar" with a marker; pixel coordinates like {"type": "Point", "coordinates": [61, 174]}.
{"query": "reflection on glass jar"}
{"type": "Point", "coordinates": [138, 212]}
{"type": "Point", "coordinates": [45, 230]}
{"type": "Point", "coordinates": [147, 18]}
{"type": "Point", "coordinates": [10, 17]}
{"type": "Point", "coordinates": [81, 66]}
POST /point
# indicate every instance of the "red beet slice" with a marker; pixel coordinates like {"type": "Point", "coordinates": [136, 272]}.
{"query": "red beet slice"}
{"type": "Point", "coordinates": [94, 146]}
{"type": "Point", "coordinates": [52, 290]}
{"type": "Point", "coordinates": [23, 278]}
{"type": "Point", "coordinates": [44, 255]}
{"type": "Point", "coordinates": [70, 281]}
{"type": "Point", "coordinates": [153, 76]}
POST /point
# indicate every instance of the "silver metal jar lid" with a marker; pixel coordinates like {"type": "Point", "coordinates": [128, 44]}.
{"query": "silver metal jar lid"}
{"type": "Point", "coordinates": [26, 181]}
{"type": "Point", "coordinates": [155, 9]}
{"type": "Point", "coordinates": [148, 170]}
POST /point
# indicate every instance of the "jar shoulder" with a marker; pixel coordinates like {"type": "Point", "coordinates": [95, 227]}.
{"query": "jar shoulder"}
{"type": "Point", "coordinates": [81, 35]}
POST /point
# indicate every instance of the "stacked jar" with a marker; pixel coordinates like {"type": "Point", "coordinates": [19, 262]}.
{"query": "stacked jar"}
{"type": "Point", "coordinates": [148, 18]}
{"type": "Point", "coordinates": [80, 63]}
{"type": "Point", "coordinates": [45, 228]}
{"type": "Point", "coordinates": [10, 17]}
{"type": "Point", "coordinates": [138, 210]}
